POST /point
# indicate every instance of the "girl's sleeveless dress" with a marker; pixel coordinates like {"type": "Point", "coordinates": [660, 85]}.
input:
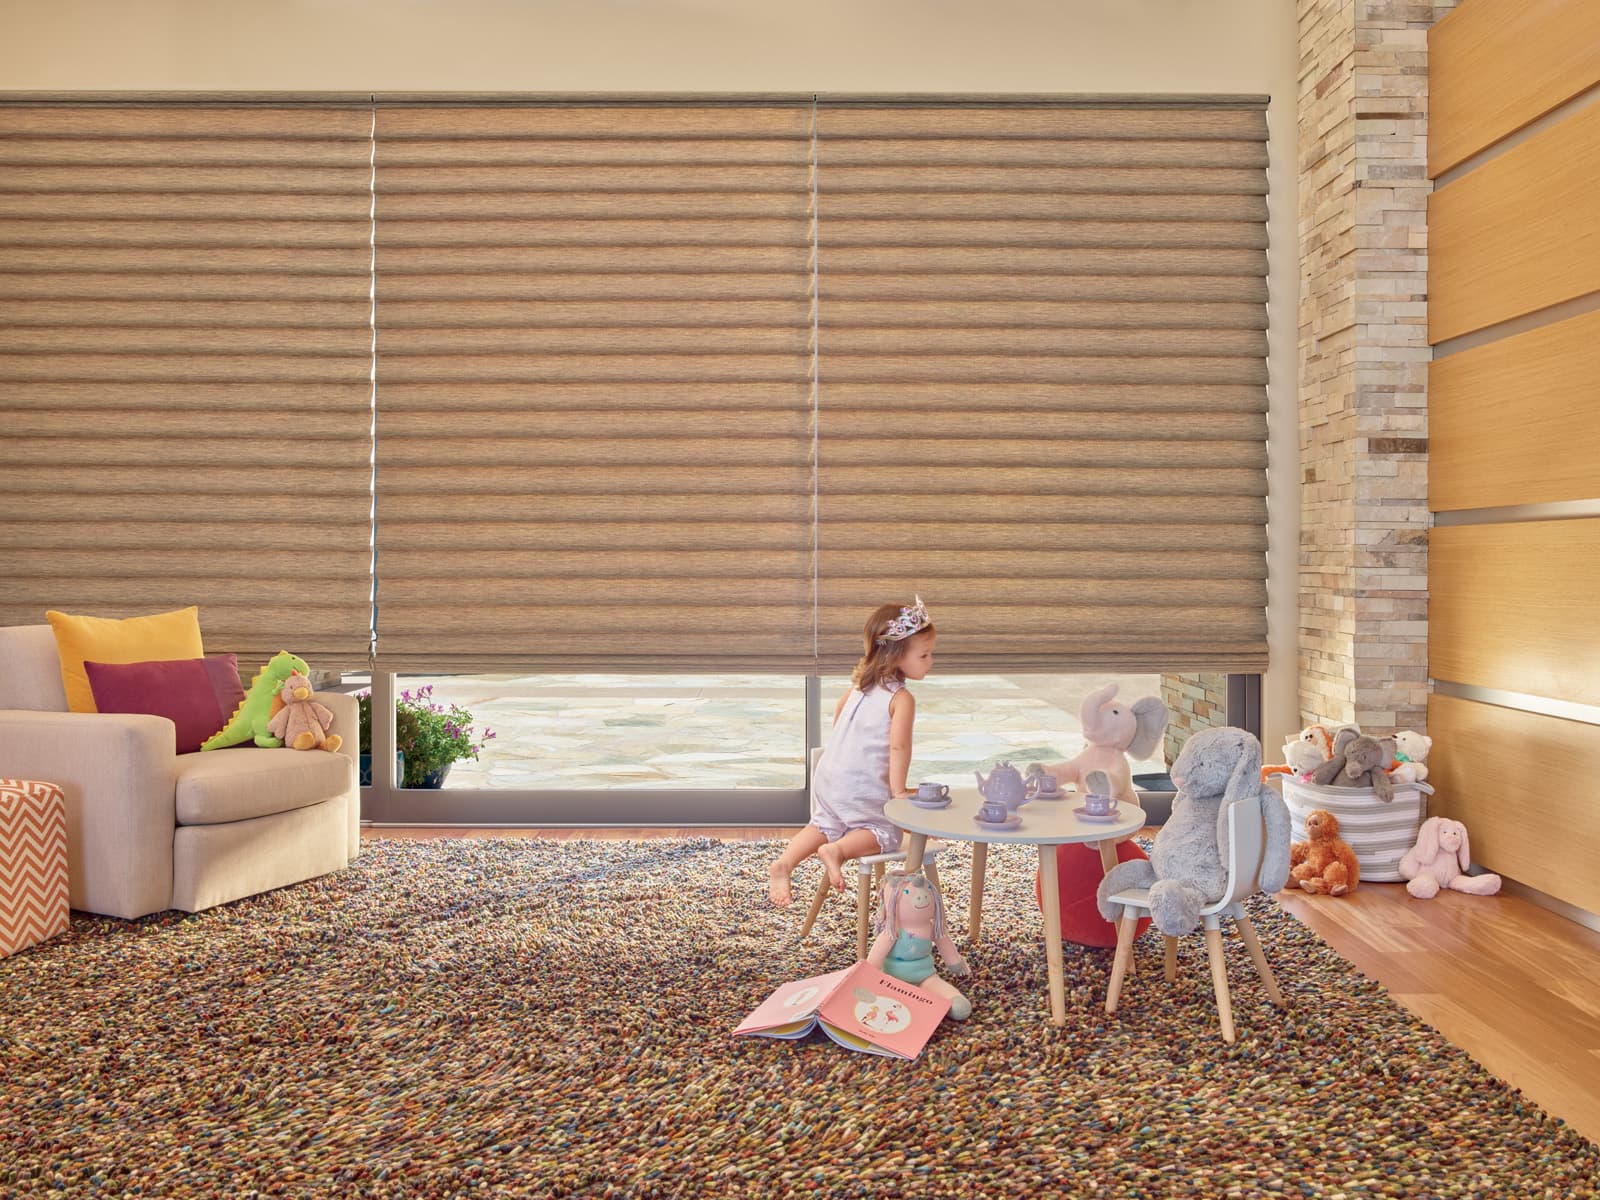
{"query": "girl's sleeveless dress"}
{"type": "Point", "coordinates": [851, 784]}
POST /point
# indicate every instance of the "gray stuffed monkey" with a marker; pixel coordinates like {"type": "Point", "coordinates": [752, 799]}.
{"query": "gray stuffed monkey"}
{"type": "Point", "coordinates": [1188, 868]}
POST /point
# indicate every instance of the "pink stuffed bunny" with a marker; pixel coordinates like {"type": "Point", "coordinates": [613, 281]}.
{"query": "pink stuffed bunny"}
{"type": "Point", "coordinates": [1440, 859]}
{"type": "Point", "coordinates": [1115, 730]}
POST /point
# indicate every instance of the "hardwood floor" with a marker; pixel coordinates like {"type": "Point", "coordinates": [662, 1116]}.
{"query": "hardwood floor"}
{"type": "Point", "coordinates": [1514, 985]}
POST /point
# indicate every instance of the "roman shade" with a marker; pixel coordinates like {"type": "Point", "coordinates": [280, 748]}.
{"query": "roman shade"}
{"type": "Point", "coordinates": [594, 429]}
{"type": "Point", "coordinates": [185, 360]}
{"type": "Point", "coordinates": [1042, 403]}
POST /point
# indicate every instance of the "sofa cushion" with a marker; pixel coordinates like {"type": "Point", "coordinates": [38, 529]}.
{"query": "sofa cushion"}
{"type": "Point", "coordinates": [129, 640]}
{"type": "Point", "coordinates": [198, 695]}
{"type": "Point", "coordinates": [31, 668]}
{"type": "Point", "coordinates": [234, 785]}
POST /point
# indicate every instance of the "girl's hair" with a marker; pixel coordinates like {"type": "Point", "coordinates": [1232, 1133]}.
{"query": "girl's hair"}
{"type": "Point", "coordinates": [888, 912]}
{"type": "Point", "coordinates": [880, 659]}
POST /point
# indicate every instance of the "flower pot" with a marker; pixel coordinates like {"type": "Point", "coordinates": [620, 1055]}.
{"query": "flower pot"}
{"type": "Point", "coordinates": [435, 779]}
{"type": "Point", "coordinates": [366, 767]}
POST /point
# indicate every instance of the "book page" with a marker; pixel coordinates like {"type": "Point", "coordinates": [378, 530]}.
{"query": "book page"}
{"type": "Point", "coordinates": [791, 1007]}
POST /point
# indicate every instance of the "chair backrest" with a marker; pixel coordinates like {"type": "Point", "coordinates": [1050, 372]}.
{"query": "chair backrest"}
{"type": "Point", "coordinates": [816, 755]}
{"type": "Point", "coordinates": [30, 669]}
{"type": "Point", "coordinates": [1247, 842]}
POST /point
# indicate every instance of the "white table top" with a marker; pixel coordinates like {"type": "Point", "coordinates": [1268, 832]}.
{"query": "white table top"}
{"type": "Point", "coordinates": [1044, 822]}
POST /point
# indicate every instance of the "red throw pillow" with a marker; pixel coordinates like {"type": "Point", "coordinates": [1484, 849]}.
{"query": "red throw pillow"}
{"type": "Point", "coordinates": [198, 695]}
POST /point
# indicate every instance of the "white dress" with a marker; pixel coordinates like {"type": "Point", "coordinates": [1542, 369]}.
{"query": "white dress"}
{"type": "Point", "coordinates": [851, 783]}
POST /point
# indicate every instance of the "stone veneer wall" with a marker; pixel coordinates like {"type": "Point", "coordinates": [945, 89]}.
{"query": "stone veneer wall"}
{"type": "Point", "coordinates": [1364, 355]}
{"type": "Point", "coordinates": [1194, 702]}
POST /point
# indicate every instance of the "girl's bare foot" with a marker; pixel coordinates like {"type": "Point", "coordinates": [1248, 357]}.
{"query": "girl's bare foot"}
{"type": "Point", "coordinates": [833, 858]}
{"type": "Point", "coordinates": [778, 884]}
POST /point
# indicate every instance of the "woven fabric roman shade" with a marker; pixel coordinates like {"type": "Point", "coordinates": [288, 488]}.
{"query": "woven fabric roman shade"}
{"type": "Point", "coordinates": [594, 429]}
{"type": "Point", "coordinates": [1042, 394]}
{"type": "Point", "coordinates": [185, 359]}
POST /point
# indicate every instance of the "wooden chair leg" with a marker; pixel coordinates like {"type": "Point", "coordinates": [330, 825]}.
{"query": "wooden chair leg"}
{"type": "Point", "coordinates": [878, 870]}
{"type": "Point", "coordinates": [816, 907]}
{"type": "Point", "coordinates": [1219, 981]}
{"type": "Point", "coordinates": [931, 870]}
{"type": "Point", "coordinates": [863, 909]}
{"type": "Point", "coordinates": [980, 864]}
{"type": "Point", "coordinates": [1126, 928]}
{"type": "Point", "coordinates": [1247, 934]}
{"type": "Point", "coordinates": [1171, 957]}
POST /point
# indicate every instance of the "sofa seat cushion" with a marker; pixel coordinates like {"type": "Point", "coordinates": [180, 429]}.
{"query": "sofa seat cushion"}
{"type": "Point", "coordinates": [217, 786]}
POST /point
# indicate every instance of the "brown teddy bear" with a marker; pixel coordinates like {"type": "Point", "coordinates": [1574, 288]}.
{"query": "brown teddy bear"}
{"type": "Point", "coordinates": [302, 723]}
{"type": "Point", "coordinates": [1324, 865]}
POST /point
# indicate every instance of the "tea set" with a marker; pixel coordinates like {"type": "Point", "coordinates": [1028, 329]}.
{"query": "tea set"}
{"type": "Point", "coordinates": [1005, 790]}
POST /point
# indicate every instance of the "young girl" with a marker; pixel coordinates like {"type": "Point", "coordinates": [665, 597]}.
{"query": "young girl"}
{"type": "Point", "coordinates": [868, 752]}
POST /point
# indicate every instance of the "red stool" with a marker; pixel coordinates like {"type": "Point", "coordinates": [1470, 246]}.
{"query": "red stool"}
{"type": "Point", "coordinates": [1079, 872]}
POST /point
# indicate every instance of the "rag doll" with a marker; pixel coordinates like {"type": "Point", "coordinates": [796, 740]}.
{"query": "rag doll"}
{"type": "Point", "coordinates": [910, 929]}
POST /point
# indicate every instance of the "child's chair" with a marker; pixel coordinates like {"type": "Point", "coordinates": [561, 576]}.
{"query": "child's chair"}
{"type": "Point", "coordinates": [869, 872]}
{"type": "Point", "coordinates": [1246, 843]}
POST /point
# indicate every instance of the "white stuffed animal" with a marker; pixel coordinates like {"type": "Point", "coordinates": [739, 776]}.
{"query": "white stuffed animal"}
{"type": "Point", "coordinates": [1440, 860]}
{"type": "Point", "coordinates": [1411, 749]}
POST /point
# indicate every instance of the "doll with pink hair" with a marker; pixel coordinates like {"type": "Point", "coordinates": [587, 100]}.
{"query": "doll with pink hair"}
{"type": "Point", "coordinates": [910, 928]}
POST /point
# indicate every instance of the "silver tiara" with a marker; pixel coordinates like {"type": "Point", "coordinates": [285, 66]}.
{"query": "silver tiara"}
{"type": "Point", "coordinates": [912, 619]}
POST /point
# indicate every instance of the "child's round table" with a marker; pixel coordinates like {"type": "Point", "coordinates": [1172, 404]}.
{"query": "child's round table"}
{"type": "Point", "coordinates": [1043, 823]}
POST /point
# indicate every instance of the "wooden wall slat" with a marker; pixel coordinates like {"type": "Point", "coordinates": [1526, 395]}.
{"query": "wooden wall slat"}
{"type": "Point", "coordinates": [1517, 780]}
{"type": "Point", "coordinates": [1516, 234]}
{"type": "Point", "coordinates": [1512, 606]}
{"type": "Point", "coordinates": [1495, 65]}
{"type": "Point", "coordinates": [1513, 422]}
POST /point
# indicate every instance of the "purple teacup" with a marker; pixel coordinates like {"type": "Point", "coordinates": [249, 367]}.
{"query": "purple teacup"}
{"type": "Point", "coordinates": [1097, 805]}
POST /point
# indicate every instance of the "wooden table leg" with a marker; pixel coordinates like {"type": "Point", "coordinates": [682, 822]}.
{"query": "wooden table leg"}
{"type": "Point", "coordinates": [980, 865]}
{"type": "Point", "coordinates": [916, 847]}
{"type": "Point", "coordinates": [1051, 891]}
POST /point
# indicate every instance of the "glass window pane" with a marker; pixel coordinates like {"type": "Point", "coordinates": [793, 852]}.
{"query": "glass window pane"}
{"type": "Point", "coordinates": [689, 732]}
{"type": "Point", "coordinates": [967, 723]}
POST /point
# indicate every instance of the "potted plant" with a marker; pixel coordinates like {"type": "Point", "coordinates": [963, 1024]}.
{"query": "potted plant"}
{"type": "Point", "coordinates": [364, 703]}
{"type": "Point", "coordinates": [433, 735]}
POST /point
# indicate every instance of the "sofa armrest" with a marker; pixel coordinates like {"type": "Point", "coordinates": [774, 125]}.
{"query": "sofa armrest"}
{"type": "Point", "coordinates": [118, 772]}
{"type": "Point", "coordinates": [346, 710]}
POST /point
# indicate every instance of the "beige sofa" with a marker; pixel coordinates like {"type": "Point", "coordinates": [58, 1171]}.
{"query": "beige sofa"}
{"type": "Point", "coordinates": [149, 829]}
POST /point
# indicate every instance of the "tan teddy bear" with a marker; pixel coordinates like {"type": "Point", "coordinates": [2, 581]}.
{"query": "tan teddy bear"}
{"type": "Point", "coordinates": [1324, 865]}
{"type": "Point", "coordinates": [302, 723]}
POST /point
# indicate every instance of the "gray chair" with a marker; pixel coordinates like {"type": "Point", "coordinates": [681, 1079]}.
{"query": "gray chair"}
{"type": "Point", "coordinates": [1246, 845]}
{"type": "Point", "coordinates": [149, 829]}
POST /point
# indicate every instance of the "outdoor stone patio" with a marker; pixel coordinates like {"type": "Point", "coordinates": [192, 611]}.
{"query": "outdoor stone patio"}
{"type": "Point", "coordinates": [725, 731]}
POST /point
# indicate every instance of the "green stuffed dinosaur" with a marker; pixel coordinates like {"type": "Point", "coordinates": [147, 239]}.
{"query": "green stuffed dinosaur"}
{"type": "Point", "coordinates": [250, 719]}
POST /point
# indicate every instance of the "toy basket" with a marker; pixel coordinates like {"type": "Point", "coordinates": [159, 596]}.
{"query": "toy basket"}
{"type": "Point", "coordinates": [1379, 833]}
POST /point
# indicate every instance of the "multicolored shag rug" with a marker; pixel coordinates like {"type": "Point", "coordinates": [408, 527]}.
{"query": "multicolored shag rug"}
{"type": "Point", "coordinates": [518, 1018]}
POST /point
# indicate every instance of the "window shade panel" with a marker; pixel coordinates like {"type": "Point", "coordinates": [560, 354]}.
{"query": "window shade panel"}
{"type": "Point", "coordinates": [1042, 405]}
{"type": "Point", "coordinates": [595, 429]}
{"type": "Point", "coordinates": [185, 359]}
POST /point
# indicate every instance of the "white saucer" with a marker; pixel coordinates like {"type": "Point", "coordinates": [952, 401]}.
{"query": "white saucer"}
{"type": "Point", "coordinates": [920, 803]}
{"type": "Point", "coordinates": [1106, 819]}
{"type": "Point", "coordinates": [1011, 822]}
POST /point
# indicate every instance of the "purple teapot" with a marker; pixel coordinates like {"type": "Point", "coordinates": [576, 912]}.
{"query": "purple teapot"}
{"type": "Point", "coordinates": [1004, 786]}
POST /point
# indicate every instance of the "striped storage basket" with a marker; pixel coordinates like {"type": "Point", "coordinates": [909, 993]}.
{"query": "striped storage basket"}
{"type": "Point", "coordinates": [1379, 833]}
{"type": "Point", "coordinates": [33, 863]}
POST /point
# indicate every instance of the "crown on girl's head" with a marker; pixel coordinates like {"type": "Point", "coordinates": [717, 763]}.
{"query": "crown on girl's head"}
{"type": "Point", "coordinates": [912, 619]}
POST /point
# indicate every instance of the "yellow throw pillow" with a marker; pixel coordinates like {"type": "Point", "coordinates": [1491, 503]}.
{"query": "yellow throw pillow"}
{"type": "Point", "coordinates": [132, 640]}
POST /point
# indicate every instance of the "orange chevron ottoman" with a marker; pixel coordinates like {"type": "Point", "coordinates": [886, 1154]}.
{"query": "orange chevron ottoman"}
{"type": "Point", "coordinates": [33, 863]}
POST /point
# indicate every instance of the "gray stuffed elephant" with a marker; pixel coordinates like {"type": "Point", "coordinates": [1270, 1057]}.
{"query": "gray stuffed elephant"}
{"type": "Point", "coordinates": [1188, 868]}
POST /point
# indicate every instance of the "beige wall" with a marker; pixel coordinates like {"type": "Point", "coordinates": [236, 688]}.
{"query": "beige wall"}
{"type": "Point", "coordinates": [1067, 46]}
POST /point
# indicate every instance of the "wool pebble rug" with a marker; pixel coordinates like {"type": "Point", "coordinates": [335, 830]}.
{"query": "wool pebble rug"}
{"type": "Point", "coordinates": [527, 1018]}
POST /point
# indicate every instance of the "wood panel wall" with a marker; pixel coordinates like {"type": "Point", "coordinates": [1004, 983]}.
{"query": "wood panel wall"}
{"type": "Point", "coordinates": [1514, 428]}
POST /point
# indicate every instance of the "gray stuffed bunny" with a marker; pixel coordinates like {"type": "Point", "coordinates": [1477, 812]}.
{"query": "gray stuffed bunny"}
{"type": "Point", "coordinates": [1188, 868]}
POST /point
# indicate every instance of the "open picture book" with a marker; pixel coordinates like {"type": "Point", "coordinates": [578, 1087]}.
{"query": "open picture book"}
{"type": "Point", "coordinates": [859, 1007]}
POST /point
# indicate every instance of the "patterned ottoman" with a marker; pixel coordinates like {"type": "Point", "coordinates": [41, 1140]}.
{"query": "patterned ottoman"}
{"type": "Point", "coordinates": [33, 863]}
